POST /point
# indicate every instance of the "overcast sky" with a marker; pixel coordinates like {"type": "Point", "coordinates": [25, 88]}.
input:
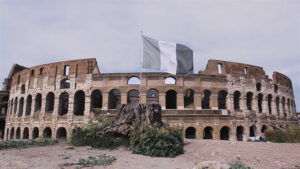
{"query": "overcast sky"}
{"type": "Point", "coordinates": [262, 33]}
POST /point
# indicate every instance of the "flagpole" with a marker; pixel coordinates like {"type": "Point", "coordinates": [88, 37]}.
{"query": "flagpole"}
{"type": "Point", "coordinates": [141, 62]}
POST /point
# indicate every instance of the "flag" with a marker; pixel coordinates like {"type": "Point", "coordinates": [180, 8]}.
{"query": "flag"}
{"type": "Point", "coordinates": [167, 56]}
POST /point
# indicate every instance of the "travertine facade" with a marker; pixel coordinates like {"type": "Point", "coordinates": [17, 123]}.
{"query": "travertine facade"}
{"type": "Point", "coordinates": [225, 101]}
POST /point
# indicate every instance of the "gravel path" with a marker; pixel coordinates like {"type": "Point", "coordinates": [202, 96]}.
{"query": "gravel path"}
{"type": "Point", "coordinates": [255, 155]}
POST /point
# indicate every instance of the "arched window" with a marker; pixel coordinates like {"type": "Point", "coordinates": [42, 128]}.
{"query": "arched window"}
{"type": "Point", "coordinates": [61, 133]}
{"type": "Point", "coordinates": [190, 133]}
{"type": "Point", "coordinates": [28, 105]}
{"type": "Point", "coordinates": [171, 99]}
{"type": "Point", "coordinates": [224, 133]}
{"type": "Point", "coordinates": [270, 97]}
{"type": "Point", "coordinates": [289, 105]}
{"type": "Point", "coordinates": [35, 133]}
{"type": "Point", "coordinates": [79, 103]}
{"type": "Point", "coordinates": [263, 128]}
{"type": "Point", "coordinates": [23, 89]}
{"type": "Point", "coordinates": [259, 101]}
{"type": "Point", "coordinates": [133, 80]}
{"type": "Point", "coordinates": [21, 106]}
{"type": "Point", "coordinates": [189, 98]}
{"type": "Point", "coordinates": [206, 100]}
{"type": "Point", "coordinates": [208, 133]}
{"type": "Point", "coordinates": [47, 133]}
{"type": "Point", "coordinates": [239, 133]}
{"type": "Point", "coordinates": [152, 96]}
{"type": "Point", "coordinates": [170, 80]}
{"type": "Point", "coordinates": [258, 87]}
{"type": "Point", "coordinates": [252, 131]}
{"type": "Point", "coordinates": [277, 105]}
{"type": "Point", "coordinates": [50, 102]}
{"type": "Point", "coordinates": [96, 99]}
{"type": "Point", "coordinates": [283, 105]}
{"type": "Point", "coordinates": [236, 100]}
{"type": "Point", "coordinates": [15, 105]}
{"type": "Point", "coordinates": [65, 84]}
{"type": "Point", "coordinates": [222, 99]}
{"type": "Point", "coordinates": [38, 103]}
{"type": "Point", "coordinates": [133, 96]}
{"type": "Point", "coordinates": [11, 106]}
{"type": "Point", "coordinates": [26, 133]}
{"type": "Point", "coordinates": [249, 100]}
{"type": "Point", "coordinates": [18, 133]}
{"type": "Point", "coordinates": [114, 99]}
{"type": "Point", "coordinates": [275, 88]}
{"type": "Point", "coordinates": [12, 133]}
{"type": "Point", "coordinates": [63, 103]}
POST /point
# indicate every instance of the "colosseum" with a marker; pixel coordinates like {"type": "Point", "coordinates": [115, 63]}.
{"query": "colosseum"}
{"type": "Point", "coordinates": [226, 101]}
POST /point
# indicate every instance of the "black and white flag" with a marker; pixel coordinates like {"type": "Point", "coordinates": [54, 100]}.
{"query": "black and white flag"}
{"type": "Point", "coordinates": [167, 56]}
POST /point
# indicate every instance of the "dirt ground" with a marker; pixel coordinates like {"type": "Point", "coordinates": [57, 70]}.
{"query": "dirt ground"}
{"type": "Point", "coordinates": [254, 154]}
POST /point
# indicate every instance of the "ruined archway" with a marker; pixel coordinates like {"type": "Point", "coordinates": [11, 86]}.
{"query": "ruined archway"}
{"type": "Point", "coordinates": [270, 97]}
{"type": "Point", "coordinates": [79, 103]}
{"type": "Point", "coordinates": [190, 133]}
{"type": "Point", "coordinates": [15, 105]}
{"type": "Point", "coordinates": [225, 133]}
{"type": "Point", "coordinates": [114, 99]}
{"type": "Point", "coordinates": [38, 103]}
{"type": "Point", "coordinates": [18, 133]}
{"type": "Point", "coordinates": [222, 99]}
{"type": "Point", "coordinates": [50, 102]}
{"type": "Point", "coordinates": [277, 105]}
{"type": "Point", "coordinates": [189, 98]}
{"type": "Point", "coordinates": [12, 133]}
{"type": "Point", "coordinates": [26, 133]}
{"type": "Point", "coordinates": [239, 133]}
{"type": "Point", "coordinates": [63, 103]}
{"type": "Point", "coordinates": [133, 96]}
{"type": "Point", "coordinates": [263, 128]}
{"type": "Point", "coordinates": [206, 99]}
{"type": "Point", "coordinates": [208, 133]}
{"type": "Point", "coordinates": [171, 99]}
{"type": "Point", "coordinates": [61, 133]}
{"type": "Point", "coordinates": [259, 102]}
{"type": "Point", "coordinates": [2, 128]}
{"type": "Point", "coordinates": [249, 100]}
{"type": "Point", "coordinates": [236, 100]}
{"type": "Point", "coordinates": [35, 133]}
{"type": "Point", "coordinates": [47, 133]}
{"type": "Point", "coordinates": [96, 99]}
{"type": "Point", "coordinates": [65, 84]}
{"type": "Point", "coordinates": [21, 106]}
{"type": "Point", "coordinates": [252, 131]}
{"type": "Point", "coordinates": [152, 96]}
{"type": "Point", "coordinates": [28, 105]}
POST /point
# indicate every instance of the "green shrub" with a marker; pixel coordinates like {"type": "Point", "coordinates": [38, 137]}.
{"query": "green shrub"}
{"type": "Point", "coordinates": [238, 165]}
{"type": "Point", "coordinates": [290, 135]}
{"type": "Point", "coordinates": [18, 144]}
{"type": "Point", "coordinates": [157, 142]}
{"type": "Point", "coordinates": [101, 160]}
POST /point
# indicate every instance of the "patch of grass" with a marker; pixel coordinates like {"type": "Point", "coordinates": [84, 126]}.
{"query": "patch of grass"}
{"type": "Point", "coordinates": [238, 165]}
{"type": "Point", "coordinates": [289, 135]}
{"type": "Point", "coordinates": [100, 160]}
{"type": "Point", "coordinates": [18, 144]}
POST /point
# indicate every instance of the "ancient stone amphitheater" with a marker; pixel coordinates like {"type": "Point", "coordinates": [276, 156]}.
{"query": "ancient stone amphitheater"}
{"type": "Point", "coordinates": [227, 101]}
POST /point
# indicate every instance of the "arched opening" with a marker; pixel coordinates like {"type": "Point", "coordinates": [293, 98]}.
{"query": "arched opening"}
{"type": "Point", "coordinates": [270, 97]}
{"type": "Point", "coordinates": [283, 106]}
{"type": "Point", "coordinates": [222, 99]}
{"type": "Point", "coordinates": [208, 133]}
{"type": "Point", "coordinates": [133, 80]}
{"type": "Point", "coordinates": [258, 87]}
{"type": "Point", "coordinates": [65, 84]}
{"type": "Point", "coordinates": [170, 80]}
{"type": "Point", "coordinates": [289, 105]}
{"type": "Point", "coordinates": [133, 96]}
{"type": "Point", "coordinates": [259, 101]}
{"type": "Point", "coordinates": [63, 103]}
{"type": "Point", "coordinates": [275, 88]}
{"type": "Point", "coordinates": [23, 89]}
{"type": "Point", "coordinates": [15, 105]}
{"type": "Point", "coordinates": [18, 133]}
{"type": "Point", "coordinates": [35, 133]}
{"type": "Point", "coordinates": [277, 105]}
{"type": "Point", "coordinates": [263, 128]}
{"type": "Point", "coordinates": [2, 128]}
{"type": "Point", "coordinates": [28, 105]}
{"type": "Point", "coordinates": [61, 133]}
{"type": "Point", "coordinates": [206, 100]}
{"type": "Point", "coordinates": [190, 133]}
{"type": "Point", "coordinates": [38, 103]}
{"type": "Point", "coordinates": [252, 131]}
{"type": "Point", "coordinates": [12, 133]}
{"type": "Point", "coordinates": [236, 100]}
{"type": "Point", "coordinates": [26, 133]}
{"type": "Point", "coordinates": [79, 103]}
{"type": "Point", "coordinates": [7, 133]}
{"type": "Point", "coordinates": [11, 106]}
{"type": "Point", "coordinates": [171, 99]}
{"type": "Point", "coordinates": [189, 99]}
{"type": "Point", "coordinates": [249, 100]}
{"type": "Point", "coordinates": [47, 133]}
{"type": "Point", "coordinates": [114, 99]}
{"type": "Point", "coordinates": [50, 102]}
{"type": "Point", "coordinates": [224, 133]}
{"type": "Point", "coordinates": [152, 96]}
{"type": "Point", "coordinates": [96, 99]}
{"type": "Point", "coordinates": [239, 133]}
{"type": "Point", "coordinates": [21, 106]}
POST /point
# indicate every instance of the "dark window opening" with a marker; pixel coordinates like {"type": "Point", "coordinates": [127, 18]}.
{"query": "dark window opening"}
{"type": "Point", "coordinates": [277, 106]}
{"type": "Point", "coordinates": [224, 133]}
{"type": "Point", "coordinates": [47, 133]}
{"type": "Point", "coordinates": [35, 133]}
{"type": "Point", "coordinates": [49, 102]}
{"type": "Point", "coordinates": [96, 99]}
{"type": "Point", "coordinates": [19, 79]}
{"type": "Point", "coordinates": [79, 103]}
{"type": "Point", "coordinates": [190, 133]}
{"type": "Point", "coordinates": [171, 99]}
{"type": "Point", "coordinates": [263, 128]}
{"type": "Point", "coordinates": [38, 103]}
{"type": "Point", "coordinates": [21, 106]}
{"type": "Point", "coordinates": [289, 105]}
{"type": "Point", "coordinates": [42, 71]}
{"type": "Point", "coordinates": [66, 70]}
{"type": "Point", "coordinates": [12, 133]}
{"type": "Point", "coordinates": [63, 104]}
{"type": "Point", "coordinates": [236, 100]}
{"type": "Point", "coordinates": [283, 104]}
{"type": "Point", "coordinates": [28, 105]}
{"type": "Point", "coordinates": [252, 131]}
{"type": "Point", "coordinates": [152, 97]}
{"type": "Point", "coordinates": [18, 133]}
{"type": "Point", "coordinates": [222, 99]}
{"type": "Point", "coordinates": [206, 100]}
{"type": "Point", "coordinates": [114, 99]}
{"type": "Point", "coordinates": [239, 133]}
{"type": "Point", "coordinates": [11, 106]}
{"type": "Point", "coordinates": [61, 133]}
{"type": "Point", "coordinates": [65, 84]}
{"type": "Point", "coordinates": [2, 128]}
{"type": "Point", "coordinates": [270, 103]}
{"type": "Point", "coordinates": [259, 101]}
{"type": "Point", "coordinates": [208, 133]}
{"type": "Point", "coordinates": [258, 87]}
{"type": "Point", "coordinates": [15, 105]}
{"type": "Point", "coordinates": [249, 100]}
{"type": "Point", "coordinates": [23, 89]}
{"type": "Point", "coordinates": [26, 133]}
{"type": "Point", "coordinates": [275, 88]}
{"type": "Point", "coordinates": [189, 99]}
{"type": "Point", "coordinates": [7, 134]}
{"type": "Point", "coordinates": [133, 96]}
{"type": "Point", "coordinates": [32, 73]}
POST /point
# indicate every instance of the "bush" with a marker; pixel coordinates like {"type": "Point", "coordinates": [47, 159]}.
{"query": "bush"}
{"type": "Point", "coordinates": [290, 135]}
{"type": "Point", "coordinates": [157, 142]}
{"type": "Point", "coordinates": [26, 143]}
{"type": "Point", "coordinates": [101, 160]}
{"type": "Point", "coordinates": [238, 165]}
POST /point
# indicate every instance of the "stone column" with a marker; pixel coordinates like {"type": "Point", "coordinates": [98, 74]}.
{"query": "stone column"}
{"type": "Point", "coordinates": [162, 100]}
{"type": "Point", "coordinates": [87, 107]}
{"type": "Point", "coordinates": [143, 98]}
{"type": "Point", "coordinates": [105, 100]}
{"type": "Point", "coordinates": [230, 102]}
{"type": "Point", "coordinates": [180, 101]}
{"type": "Point", "coordinates": [243, 103]}
{"type": "Point", "coordinates": [213, 101]}
{"type": "Point", "coordinates": [123, 98]}
{"type": "Point", "coordinates": [70, 107]}
{"type": "Point", "coordinates": [197, 101]}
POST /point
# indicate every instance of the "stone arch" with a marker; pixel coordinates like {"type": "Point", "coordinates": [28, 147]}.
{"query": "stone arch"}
{"type": "Point", "coordinates": [26, 133]}
{"type": "Point", "coordinates": [259, 102]}
{"type": "Point", "coordinates": [47, 133]}
{"type": "Point", "coordinates": [270, 98]}
{"type": "Point", "coordinates": [38, 103]}
{"type": "Point", "coordinates": [133, 96]}
{"type": "Point", "coordinates": [21, 107]}
{"type": "Point", "coordinates": [225, 133]}
{"type": "Point", "coordinates": [12, 133]}
{"type": "Point", "coordinates": [249, 100]}
{"type": "Point", "coordinates": [222, 99]}
{"type": "Point", "coordinates": [152, 96]}
{"type": "Point", "coordinates": [23, 89]}
{"type": "Point", "coordinates": [258, 86]}
{"type": "Point", "coordinates": [252, 130]}
{"type": "Point", "coordinates": [15, 105]}
{"type": "Point", "coordinates": [208, 132]}
{"type": "Point", "coordinates": [276, 88]}
{"type": "Point", "coordinates": [28, 105]}
{"type": "Point", "coordinates": [65, 84]}
{"type": "Point", "coordinates": [61, 133]}
{"type": "Point", "coordinates": [114, 98]}
{"type": "Point", "coordinates": [133, 80]}
{"type": "Point", "coordinates": [170, 80]}
{"type": "Point", "coordinates": [289, 105]}
{"type": "Point", "coordinates": [50, 102]}
{"type": "Point", "coordinates": [18, 133]}
{"type": "Point", "coordinates": [96, 99]}
{"type": "Point", "coordinates": [277, 105]}
{"type": "Point", "coordinates": [190, 133]}
{"type": "Point", "coordinates": [171, 99]}
{"type": "Point", "coordinates": [63, 103]}
{"type": "Point", "coordinates": [263, 128]}
{"type": "Point", "coordinates": [35, 133]}
{"type": "Point", "coordinates": [239, 133]}
{"type": "Point", "coordinates": [2, 128]}
{"type": "Point", "coordinates": [79, 103]}
{"type": "Point", "coordinates": [189, 98]}
{"type": "Point", "coordinates": [283, 105]}
{"type": "Point", "coordinates": [236, 100]}
{"type": "Point", "coordinates": [206, 99]}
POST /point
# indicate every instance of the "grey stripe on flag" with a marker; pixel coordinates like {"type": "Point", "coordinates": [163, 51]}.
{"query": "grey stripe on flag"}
{"type": "Point", "coordinates": [184, 60]}
{"type": "Point", "coordinates": [151, 55]}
